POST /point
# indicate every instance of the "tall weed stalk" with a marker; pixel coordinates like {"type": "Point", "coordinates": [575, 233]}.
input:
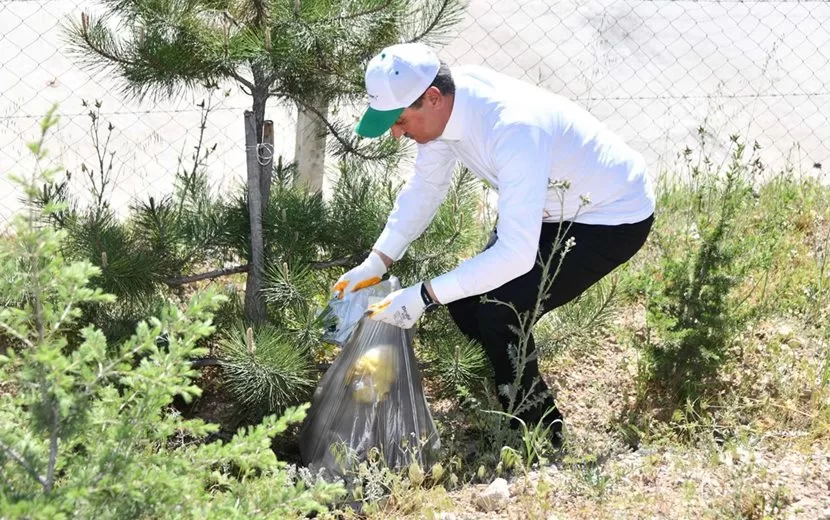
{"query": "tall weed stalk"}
{"type": "Point", "coordinates": [534, 439]}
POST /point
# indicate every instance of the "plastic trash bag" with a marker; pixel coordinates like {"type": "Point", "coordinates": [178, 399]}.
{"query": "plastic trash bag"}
{"type": "Point", "coordinates": [347, 313]}
{"type": "Point", "coordinates": [370, 398]}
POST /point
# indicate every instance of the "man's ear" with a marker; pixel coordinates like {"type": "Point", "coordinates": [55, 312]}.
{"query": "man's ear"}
{"type": "Point", "coordinates": [433, 96]}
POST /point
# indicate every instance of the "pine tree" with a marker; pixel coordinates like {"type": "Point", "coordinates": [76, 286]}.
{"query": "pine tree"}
{"type": "Point", "coordinates": [88, 432]}
{"type": "Point", "coordinates": [301, 50]}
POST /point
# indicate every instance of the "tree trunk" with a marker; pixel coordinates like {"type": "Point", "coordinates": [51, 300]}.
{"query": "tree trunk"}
{"type": "Point", "coordinates": [254, 303]}
{"type": "Point", "coordinates": [310, 149]}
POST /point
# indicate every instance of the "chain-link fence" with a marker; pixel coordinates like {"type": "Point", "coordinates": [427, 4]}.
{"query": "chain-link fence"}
{"type": "Point", "coordinates": [655, 71]}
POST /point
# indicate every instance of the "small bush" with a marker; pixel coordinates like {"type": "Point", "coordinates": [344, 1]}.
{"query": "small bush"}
{"type": "Point", "coordinates": [460, 365]}
{"type": "Point", "coordinates": [263, 372]}
{"type": "Point", "coordinates": [85, 432]}
{"type": "Point", "coordinates": [691, 312]}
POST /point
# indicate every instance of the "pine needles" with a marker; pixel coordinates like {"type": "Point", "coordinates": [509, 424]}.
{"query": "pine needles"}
{"type": "Point", "coordinates": [459, 366]}
{"type": "Point", "coordinates": [312, 49]}
{"type": "Point", "coordinates": [263, 371]}
{"type": "Point", "coordinates": [576, 323]}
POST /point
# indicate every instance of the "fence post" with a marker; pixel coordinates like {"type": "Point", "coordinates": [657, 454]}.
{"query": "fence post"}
{"type": "Point", "coordinates": [266, 162]}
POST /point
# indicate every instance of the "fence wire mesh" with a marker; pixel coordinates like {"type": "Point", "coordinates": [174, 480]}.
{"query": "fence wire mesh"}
{"type": "Point", "coordinates": [655, 71]}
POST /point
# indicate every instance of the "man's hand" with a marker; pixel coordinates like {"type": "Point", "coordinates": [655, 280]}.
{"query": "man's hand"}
{"type": "Point", "coordinates": [365, 275]}
{"type": "Point", "coordinates": [402, 308]}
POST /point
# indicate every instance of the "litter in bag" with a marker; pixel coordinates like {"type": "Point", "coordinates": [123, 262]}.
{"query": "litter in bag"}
{"type": "Point", "coordinates": [347, 313]}
{"type": "Point", "coordinates": [370, 398]}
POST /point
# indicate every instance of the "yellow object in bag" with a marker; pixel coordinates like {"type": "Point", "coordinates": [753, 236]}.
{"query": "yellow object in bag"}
{"type": "Point", "coordinates": [372, 374]}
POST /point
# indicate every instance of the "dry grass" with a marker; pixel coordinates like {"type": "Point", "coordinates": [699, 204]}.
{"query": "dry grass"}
{"type": "Point", "coordinates": [762, 452]}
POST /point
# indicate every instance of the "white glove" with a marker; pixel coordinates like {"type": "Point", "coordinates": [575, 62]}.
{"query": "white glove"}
{"type": "Point", "coordinates": [365, 275]}
{"type": "Point", "coordinates": [401, 308]}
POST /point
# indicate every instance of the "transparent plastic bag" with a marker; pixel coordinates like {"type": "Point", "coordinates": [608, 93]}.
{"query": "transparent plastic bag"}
{"type": "Point", "coordinates": [347, 313]}
{"type": "Point", "coordinates": [370, 398]}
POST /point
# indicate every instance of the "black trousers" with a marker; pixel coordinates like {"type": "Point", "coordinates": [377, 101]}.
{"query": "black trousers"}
{"type": "Point", "coordinates": [597, 251]}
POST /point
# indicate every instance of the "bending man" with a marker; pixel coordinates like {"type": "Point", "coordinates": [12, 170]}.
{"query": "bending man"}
{"type": "Point", "coordinates": [527, 143]}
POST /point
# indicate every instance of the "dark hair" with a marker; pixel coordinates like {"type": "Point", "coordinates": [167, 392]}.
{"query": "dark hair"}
{"type": "Point", "coordinates": [443, 81]}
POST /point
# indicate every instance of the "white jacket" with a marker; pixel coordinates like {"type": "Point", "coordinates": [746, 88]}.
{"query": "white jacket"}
{"type": "Point", "coordinates": [522, 140]}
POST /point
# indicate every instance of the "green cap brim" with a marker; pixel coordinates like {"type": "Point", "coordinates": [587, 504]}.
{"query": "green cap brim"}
{"type": "Point", "coordinates": [375, 122]}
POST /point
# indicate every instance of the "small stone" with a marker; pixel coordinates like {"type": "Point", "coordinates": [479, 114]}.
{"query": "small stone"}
{"type": "Point", "coordinates": [784, 331]}
{"type": "Point", "coordinates": [495, 497]}
{"type": "Point", "coordinates": [445, 516]}
{"type": "Point", "coordinates": [795, 342]}
{"type": "Point", "coordinates": [550, 470]}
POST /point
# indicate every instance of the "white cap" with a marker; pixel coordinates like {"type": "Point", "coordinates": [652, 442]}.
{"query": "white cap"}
{"type": "Point", "coordinates": [395, 79]}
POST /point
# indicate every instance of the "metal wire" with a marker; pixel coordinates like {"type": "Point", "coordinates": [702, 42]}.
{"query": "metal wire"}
{"type": "Point", "coordinates": [656, 71]}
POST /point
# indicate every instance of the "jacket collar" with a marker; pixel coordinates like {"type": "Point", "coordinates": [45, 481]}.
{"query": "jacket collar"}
{"type": "Point", "coordinates": [454, 131]}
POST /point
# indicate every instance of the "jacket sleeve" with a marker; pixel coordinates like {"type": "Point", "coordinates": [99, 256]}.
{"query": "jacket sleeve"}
{"type": "Point", "coordinates": [419, 199]}
{"type": "Point", "coordinates": [523, 157]}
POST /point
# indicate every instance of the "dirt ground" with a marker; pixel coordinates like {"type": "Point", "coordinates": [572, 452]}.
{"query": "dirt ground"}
{"type": "Point", "coordinates": [764, 473]}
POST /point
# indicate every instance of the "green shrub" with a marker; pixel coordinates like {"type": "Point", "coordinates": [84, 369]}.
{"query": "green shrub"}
{"type": "Point", "coordinates": [143, 257]}
{"type": "Point", "coordinates": [460, 365]}
{"type": "Point", "coordinates": [86, 432]}
{"type": "Point", "coordinates": [295, 294]}
{"type": "Point", "coordinates": [691, 311]}
{"type": "Point", "coordinates": [360, 201]}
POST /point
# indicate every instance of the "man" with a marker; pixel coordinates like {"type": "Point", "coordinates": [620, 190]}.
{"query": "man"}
{"type": "Point", "coordinates": [528, 144]}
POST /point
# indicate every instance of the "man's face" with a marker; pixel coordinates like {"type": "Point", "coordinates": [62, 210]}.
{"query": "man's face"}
{"type": "Point", "coordinates": [427, 122]}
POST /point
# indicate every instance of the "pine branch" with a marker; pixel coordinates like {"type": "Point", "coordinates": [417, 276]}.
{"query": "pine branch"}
{"type": "Point", "coordinates": [339, 262]}
{"type": "Point", "coordinates": [352, 16]}
{"type": "Point", "coordinates": [210, 275]}
{"type": "Point", "coordinates": [347, 146]}
{"type": "Point", "coordinates": [84, 31]}
{"type": "Point", "coordinates": [260, 14]}
{"type": "Point", "coordinates": [17, 335]}
{"type": "Point", "coordinates": [441, 20]}
{"type": "Point", "coordinates": [164, 53]}
{"type": "Point", "coordinates": [604, 305]}
{"type": "Point", "coordinates": [243, 81]}
{"type": "Point", "coordinates": [442, 250]}
{"type": "Point", "coordinates": [20, 460]}
{"type": "Point", "coordinates": [174, 282]}
{"type": "Point", "coordinates": [53, 449]}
